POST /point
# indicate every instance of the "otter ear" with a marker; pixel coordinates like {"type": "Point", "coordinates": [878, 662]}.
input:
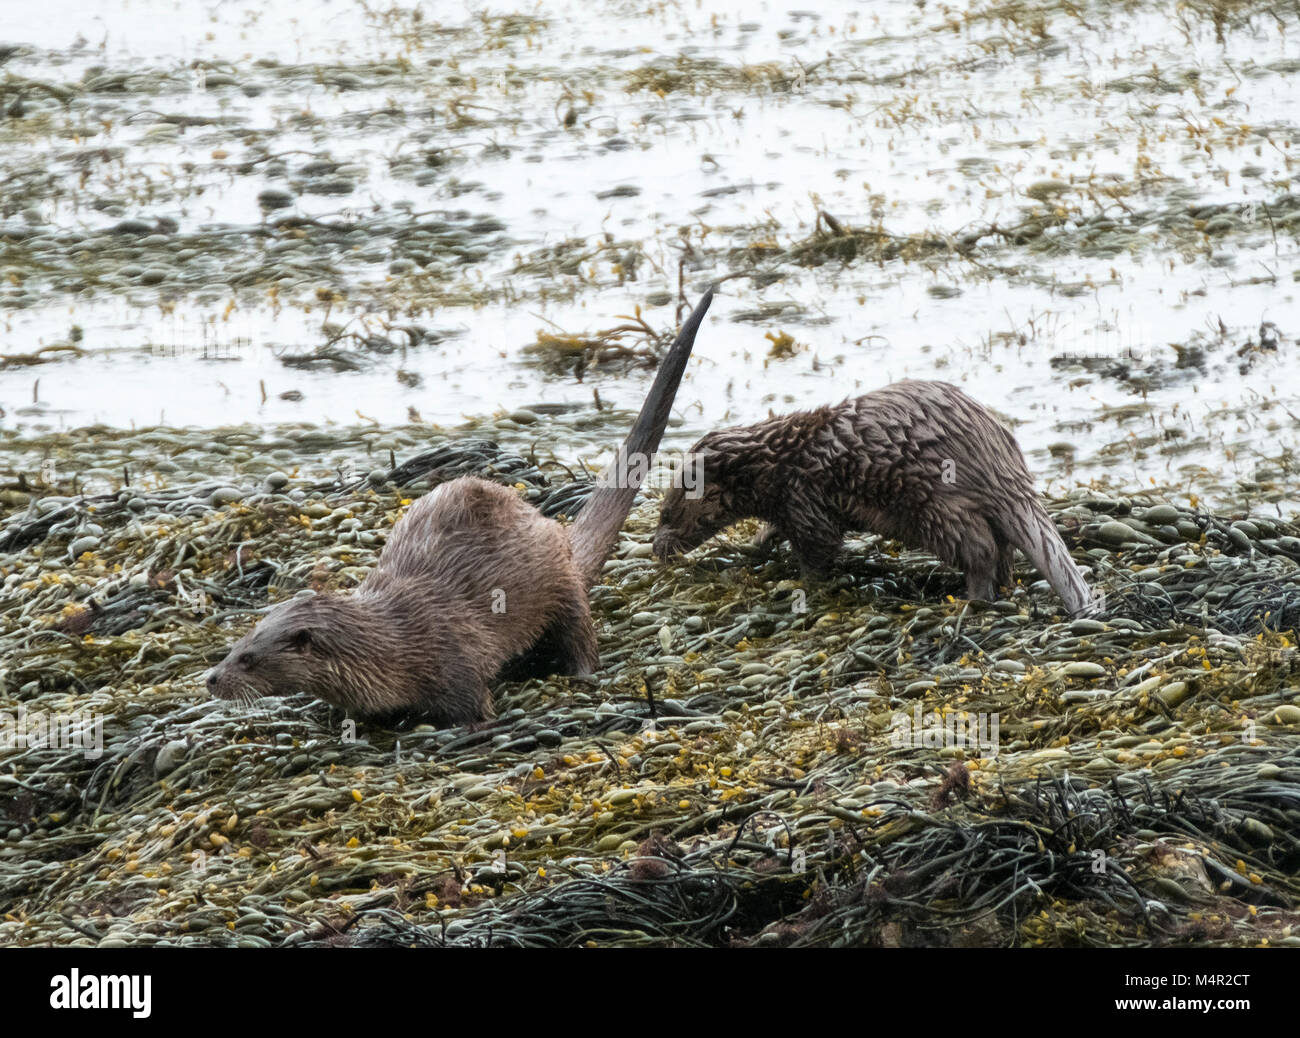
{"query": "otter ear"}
{"type": "Point", "coordinates": [300, 640]}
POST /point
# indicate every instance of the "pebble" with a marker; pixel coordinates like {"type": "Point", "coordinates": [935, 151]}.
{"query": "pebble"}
{"type": "Point", "coordinates": [169, 757]}
{"type": "Point", "coordinates": [1161, 514]}
{"type": "Point", "coordinates": [1083, 669]}
{"type": "Point", "coordinates": [1121, 534]}
{"type": "Point", "coordinates": [274, 198]}
{"type": "Point", "coordinates": [1174, 693]}
{"type": "Point", "coordinates": [83, 544]}
{"type": "Point", "coordinates": [1239, 538]}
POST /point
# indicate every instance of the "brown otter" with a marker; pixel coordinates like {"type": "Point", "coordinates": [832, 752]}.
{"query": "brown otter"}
{"type": "Point", "coordinates": [471, 578]}
{"type": "Point", "coordinates": [920, 462]}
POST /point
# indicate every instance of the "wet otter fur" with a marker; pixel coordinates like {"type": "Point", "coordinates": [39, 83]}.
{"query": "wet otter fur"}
{"type": "Point", "coordinates": [919, 462]}
{"type": "Point", "coordinates": [472, 578]}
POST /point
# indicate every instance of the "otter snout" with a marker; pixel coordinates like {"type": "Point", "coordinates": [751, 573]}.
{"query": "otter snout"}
{"type": "Point", "coordinates": [218, 682]}
{"type": "Point", "coordinates": [228, 679]}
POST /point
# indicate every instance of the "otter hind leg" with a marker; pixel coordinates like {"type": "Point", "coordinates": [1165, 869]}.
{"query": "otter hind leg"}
{"type": "Point", "coordinates": [573, 636]}
{"type": "Point", "coordinates": [466, 701]}
{"type": "Point", "coordinates": [966, 542]}
{"type": "Point", "coordinates": [980, 557]}
{"type": "Point", "coordinates": [1006, 563]}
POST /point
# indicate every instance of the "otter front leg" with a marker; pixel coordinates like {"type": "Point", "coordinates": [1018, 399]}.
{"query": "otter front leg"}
{"type": "Point", "coordinates": [815, 538]}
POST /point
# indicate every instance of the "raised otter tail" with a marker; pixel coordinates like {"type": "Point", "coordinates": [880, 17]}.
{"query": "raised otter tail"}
{"type": "Point", "coordinates": [596, 529]}
{"type": "Point", "coordinates": [1040, 541]}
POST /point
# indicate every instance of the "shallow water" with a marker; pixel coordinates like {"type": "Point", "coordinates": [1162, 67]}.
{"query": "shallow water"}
{"type": "Point", "coordinates": [576, 161]}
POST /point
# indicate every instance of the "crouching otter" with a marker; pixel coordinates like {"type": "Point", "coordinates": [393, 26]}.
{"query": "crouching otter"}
{"type": "Point", "coordinates": [471, 578]}
{"type": "Point", "coordinates": [919, 462]}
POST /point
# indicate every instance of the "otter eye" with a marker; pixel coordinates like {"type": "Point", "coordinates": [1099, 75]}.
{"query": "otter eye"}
{"type": "Point", "coordinates": [301, 640]}
{"type": "Point", "coordinates": [245, 659]}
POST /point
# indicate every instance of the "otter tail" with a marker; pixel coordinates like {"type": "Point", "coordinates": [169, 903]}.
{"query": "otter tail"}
{"type": "Point", "coordinates": [1039, 540]}
{"type": "Point", "coordinates": [594, 532]}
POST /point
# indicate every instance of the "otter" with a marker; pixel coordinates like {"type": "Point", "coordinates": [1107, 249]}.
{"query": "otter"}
{"type": "Point", "coordinates": [471, 579]}
{"type": "Point", "coordinates": [919, 462]}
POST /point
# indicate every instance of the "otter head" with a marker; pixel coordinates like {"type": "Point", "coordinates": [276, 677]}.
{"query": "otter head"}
{"type": "Point", "coordinates": [300, 646]}
{"type": "Point", "coordinates": [696, 508]}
